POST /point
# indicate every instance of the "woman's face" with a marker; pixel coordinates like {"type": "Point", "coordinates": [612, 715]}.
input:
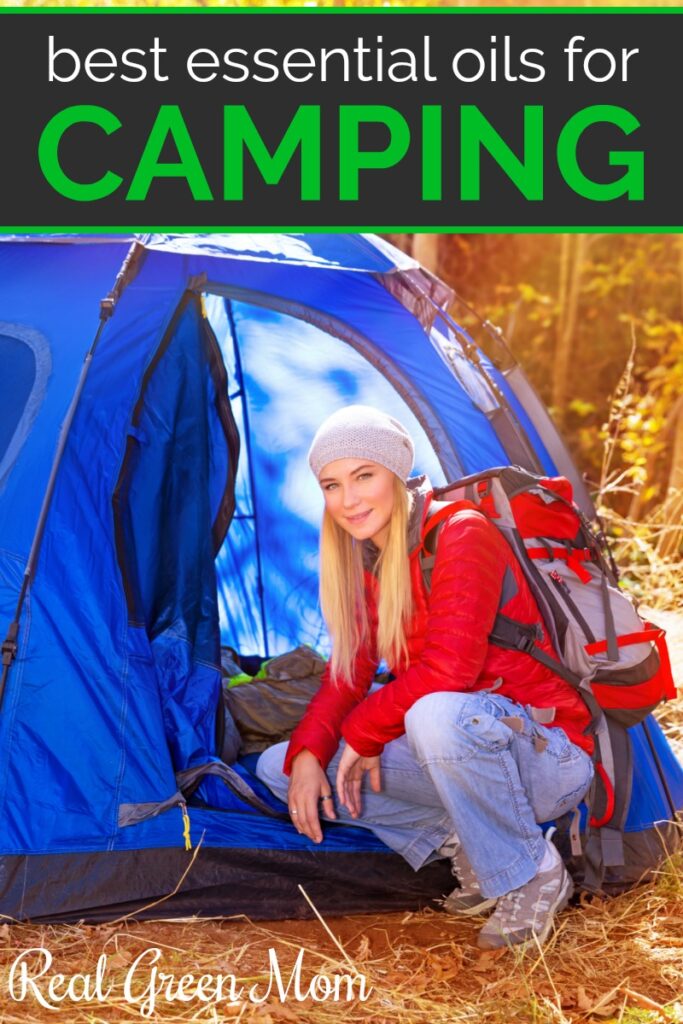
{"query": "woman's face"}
{"type": "Point", "coordinates": [359, 495]}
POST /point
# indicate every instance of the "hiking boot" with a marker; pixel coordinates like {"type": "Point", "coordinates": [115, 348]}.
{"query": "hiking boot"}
{"type": "Point", "coordinates": [468, 899]}
{"type": "Point", "coordinates": [529, 911]}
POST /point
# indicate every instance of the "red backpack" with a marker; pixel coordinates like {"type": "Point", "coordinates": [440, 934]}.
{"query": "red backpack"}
{"type": "Point", "coordinates": [618, 662]}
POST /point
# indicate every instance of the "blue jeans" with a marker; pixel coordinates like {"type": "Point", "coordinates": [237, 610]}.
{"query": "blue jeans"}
{"type": "Point", "coordinates": [459, 769]}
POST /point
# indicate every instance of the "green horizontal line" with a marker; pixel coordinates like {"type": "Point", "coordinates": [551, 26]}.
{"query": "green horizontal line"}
{"type": "Point", "coordinates": [342, 10]}
{"type": "Point", "coordinates": [454, 229]}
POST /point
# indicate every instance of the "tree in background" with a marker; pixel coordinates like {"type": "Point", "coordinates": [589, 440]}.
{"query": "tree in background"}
{"type": "Point", "coordinates": [597, 323]}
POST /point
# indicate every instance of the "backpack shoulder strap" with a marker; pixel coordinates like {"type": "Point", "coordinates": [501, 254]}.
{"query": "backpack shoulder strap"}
{"type": "Point", "coordinates": [437, 513]}
{"type": "Point", "coordinates": [506, 632]}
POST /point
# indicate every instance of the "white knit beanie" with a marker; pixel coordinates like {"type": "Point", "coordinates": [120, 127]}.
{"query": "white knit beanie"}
{"type": "Point", "coordinates": [361, 432]}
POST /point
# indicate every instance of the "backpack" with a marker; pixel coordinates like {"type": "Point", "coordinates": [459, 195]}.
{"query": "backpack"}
{"type": "Point", "coordinates": [618, 662]}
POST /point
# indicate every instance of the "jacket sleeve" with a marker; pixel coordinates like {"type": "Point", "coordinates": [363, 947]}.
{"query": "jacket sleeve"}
{"type": "Point", "coordinates": [320, 728]}
{"type": "Point", "coordinates": [467, 582]}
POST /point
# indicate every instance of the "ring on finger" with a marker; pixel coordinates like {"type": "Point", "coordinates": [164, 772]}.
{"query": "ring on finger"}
{"type": "Point", "coordinates": [293, 812]}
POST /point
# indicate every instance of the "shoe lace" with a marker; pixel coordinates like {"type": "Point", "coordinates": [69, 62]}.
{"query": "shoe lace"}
{"type": "Point", "coordinates": [462, 869]}
{"type": "Point", "coordinates": [525, 903]}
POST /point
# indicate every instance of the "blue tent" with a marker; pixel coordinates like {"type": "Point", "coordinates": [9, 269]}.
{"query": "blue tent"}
{"type": "Point", "coordinates": [157, 397]}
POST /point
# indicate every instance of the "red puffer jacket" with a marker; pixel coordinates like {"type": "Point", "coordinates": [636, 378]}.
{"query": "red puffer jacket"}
{"type": "Point", "coordinates": [448, 649]}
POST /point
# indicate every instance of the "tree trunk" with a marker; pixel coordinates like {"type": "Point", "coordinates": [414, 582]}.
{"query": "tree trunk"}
{"type": "Point", "coordinates": [426, 251]}
{"type": "Point", "coordinates": [571, 272]}
{"type": "Point", "coordinates": [565, 250]}
{"type": "Point", "coordinates": [402, 241]}
{"type": "Point", "coordinates": [671, 539]}
{"type": "Point", "coordinates": [674, 422]}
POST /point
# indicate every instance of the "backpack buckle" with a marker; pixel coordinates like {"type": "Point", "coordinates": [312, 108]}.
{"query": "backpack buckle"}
{"type": "Point", "coordinates": [529, 637]}
{"type": "Point", "coordinates": [9, 652]}
{"type": "Point", "coordinates": [526, 643]}
{"type": "Point", "coordinates": [9, 646]}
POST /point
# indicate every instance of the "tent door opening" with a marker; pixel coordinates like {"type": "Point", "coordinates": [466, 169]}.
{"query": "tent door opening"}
{"type": "Point", "coordinates": [172, 506]}
{"type": "Point", "coordinates": [287, 370]}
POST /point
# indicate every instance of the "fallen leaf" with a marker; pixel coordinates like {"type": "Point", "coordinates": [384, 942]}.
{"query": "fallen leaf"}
{"type": "Point", "coordinates": [607, 1010]}
{"type": "Point", "coordinates": [283, 1013]}
{"type": "Point", "coordinates": [120, 959]}
{"type": "Point", "coordinates": [591, 1005]}
{"type": "Point", "coordinates": [419, 985]}
{"type": "Point", "coordinates": [486, 960]}
{"type": "Point", "coordinates": [582, 1000]}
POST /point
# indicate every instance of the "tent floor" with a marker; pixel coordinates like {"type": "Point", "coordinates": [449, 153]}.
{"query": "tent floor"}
{"type": "Point", "coordinates": [261, 884]}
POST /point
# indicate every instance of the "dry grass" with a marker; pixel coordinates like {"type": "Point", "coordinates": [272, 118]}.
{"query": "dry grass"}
{"type": "Point", "coordinates": [620, 960]}
{"type": "Point", "coordinates": [637, 546]}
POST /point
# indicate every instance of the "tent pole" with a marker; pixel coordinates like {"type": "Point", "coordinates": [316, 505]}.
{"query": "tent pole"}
{"type": "Point", "coordinates": [469, 350]}
{"type": "Point", "coordinates": [472, 355]}
{"type": "Point", "coordinates": [247, 442]}
{"type": "Point", "coordinates": [129, 269]}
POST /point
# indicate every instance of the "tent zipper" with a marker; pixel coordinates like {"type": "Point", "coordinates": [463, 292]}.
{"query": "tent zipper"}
{"type": "Point", "coordinates": [186, 824]}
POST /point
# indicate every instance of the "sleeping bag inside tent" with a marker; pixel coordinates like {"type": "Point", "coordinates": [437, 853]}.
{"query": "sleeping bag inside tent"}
{"type": "Point", "coordinates": [158, 395]}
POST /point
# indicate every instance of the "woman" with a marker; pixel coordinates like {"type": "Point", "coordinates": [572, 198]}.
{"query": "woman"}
{"type": "Point", "coordinates": [449, 758]}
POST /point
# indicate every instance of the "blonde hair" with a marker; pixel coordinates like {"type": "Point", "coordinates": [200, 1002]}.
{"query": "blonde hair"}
{"type": "Point", "coordinates": [342, 590]}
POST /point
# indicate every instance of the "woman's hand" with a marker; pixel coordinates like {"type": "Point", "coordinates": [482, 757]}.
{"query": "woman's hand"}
{"type": "Point", "coordinates": [309, 793]}
{"type": "Point", "coordinates": [350, 773]}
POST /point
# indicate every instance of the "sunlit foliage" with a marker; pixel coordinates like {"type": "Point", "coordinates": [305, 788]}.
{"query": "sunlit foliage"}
{"type": "Point", "coordinates": [597, 323]}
